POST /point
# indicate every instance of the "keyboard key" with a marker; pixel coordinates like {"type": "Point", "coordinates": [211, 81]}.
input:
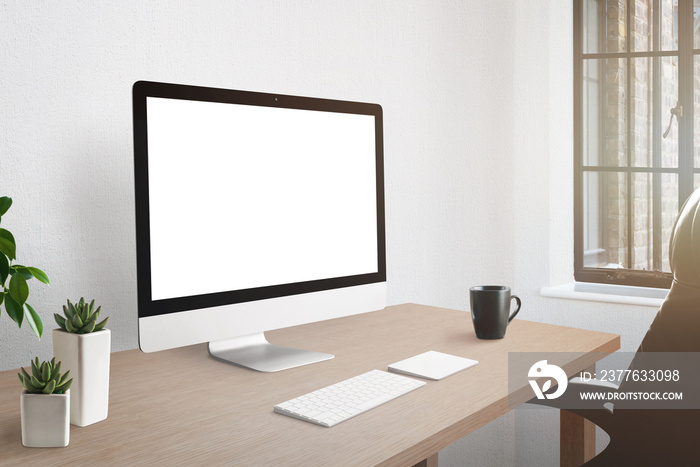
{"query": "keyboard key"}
{"type": "Point", "coordinates": [338, 402]}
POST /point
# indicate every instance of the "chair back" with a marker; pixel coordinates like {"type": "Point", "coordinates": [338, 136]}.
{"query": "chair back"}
{"type": "Point", "coordinates": [676, 327]}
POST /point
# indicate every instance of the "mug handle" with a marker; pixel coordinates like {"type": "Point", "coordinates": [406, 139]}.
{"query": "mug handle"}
{"type": "Point", "coordinates": [517, 299]}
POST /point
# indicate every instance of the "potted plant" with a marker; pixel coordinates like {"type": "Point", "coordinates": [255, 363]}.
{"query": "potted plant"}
{"type": "Point", "coordinates": [45, 405]}
{"type": "Point", "coordinates": [15, 294]}
{"type": "Point", "coordinates": [83, 345]}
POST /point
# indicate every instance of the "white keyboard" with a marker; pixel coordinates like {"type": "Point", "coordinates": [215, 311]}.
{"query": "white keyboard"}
{"type": "Point", "coordinates": [340, 401]}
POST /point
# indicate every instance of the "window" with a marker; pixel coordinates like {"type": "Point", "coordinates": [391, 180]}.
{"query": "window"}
{"type": "Point", "coordinates": [636, 99]}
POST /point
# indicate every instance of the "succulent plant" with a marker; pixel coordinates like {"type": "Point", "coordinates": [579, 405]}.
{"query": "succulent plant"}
{"type": "Point", "coordinates": [81, 318]}
{"type": "Point", "coordinates": [46, 378]}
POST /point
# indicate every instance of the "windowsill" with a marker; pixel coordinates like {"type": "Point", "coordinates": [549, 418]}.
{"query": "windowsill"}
{"type": "Point", "coordinates": [629, 295]}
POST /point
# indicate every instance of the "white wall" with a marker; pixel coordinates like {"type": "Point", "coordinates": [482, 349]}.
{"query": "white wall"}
{"type": "Point", "coordinates": [477, 105]}
{"type": "Point", "coordinates": [441, 71]}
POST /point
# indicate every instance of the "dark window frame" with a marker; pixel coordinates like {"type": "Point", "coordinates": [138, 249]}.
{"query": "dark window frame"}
{"type": "Point", "coordinates": [685, 170]}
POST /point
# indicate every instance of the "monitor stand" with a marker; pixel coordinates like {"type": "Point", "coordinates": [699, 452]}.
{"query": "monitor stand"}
{"type": "Point", "coordinates": [256, 353]}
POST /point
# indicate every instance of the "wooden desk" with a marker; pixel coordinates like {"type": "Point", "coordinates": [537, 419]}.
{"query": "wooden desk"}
{"type": "Point", "coordinates": [181, 407]}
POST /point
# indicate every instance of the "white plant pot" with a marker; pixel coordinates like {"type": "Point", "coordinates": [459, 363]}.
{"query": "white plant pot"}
{"type": "Point", "coordinates": [45, 419]}
{"type": "Point", "coordinates": [87, 358]}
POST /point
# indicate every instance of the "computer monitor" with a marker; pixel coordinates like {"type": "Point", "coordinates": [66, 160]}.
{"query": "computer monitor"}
{"type": "Point", "coordinates": [254, 212]}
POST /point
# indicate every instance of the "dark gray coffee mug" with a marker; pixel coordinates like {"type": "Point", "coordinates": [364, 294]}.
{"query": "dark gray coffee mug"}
{"type": "Point", "coordinates": [490, 306]}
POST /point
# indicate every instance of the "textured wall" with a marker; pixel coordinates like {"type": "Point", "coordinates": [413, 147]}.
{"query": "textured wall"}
{"type": "Point", "coordinates": [66, 71]}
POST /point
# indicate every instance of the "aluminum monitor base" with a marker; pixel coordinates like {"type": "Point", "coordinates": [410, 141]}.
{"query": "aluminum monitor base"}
{"type": "Point", "coordinates": [256, 353]}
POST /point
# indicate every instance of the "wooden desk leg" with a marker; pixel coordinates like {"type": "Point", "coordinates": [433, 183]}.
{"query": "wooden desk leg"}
{"type": "Point", "coordinates": [431, 461]}
{"type": "Point", "coordinates": [576, 437]}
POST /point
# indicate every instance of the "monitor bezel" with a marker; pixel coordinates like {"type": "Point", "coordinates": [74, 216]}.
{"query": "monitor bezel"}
{"type": "Point", "coordinates": [148, 307]}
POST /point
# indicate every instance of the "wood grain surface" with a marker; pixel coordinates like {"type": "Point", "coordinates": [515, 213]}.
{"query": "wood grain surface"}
{"type": "Point", "coordinates": [181, 407]}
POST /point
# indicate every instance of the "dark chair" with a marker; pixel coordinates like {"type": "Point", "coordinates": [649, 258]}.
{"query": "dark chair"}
{"type": "Point", "coordinates": [658, 437]}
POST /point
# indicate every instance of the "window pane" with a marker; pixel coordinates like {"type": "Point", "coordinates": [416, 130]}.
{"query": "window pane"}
{"type": "Point", "coordinates": [696, 15]}
{"type": "Point", "coordinates": [641, 112]}
{"type": "Point", "coordinates": [669, 24]}
{"type": "Point", "coordinates": [642, 24]}
{"type": "Point", "coordinates": [604, 26]}
{"type": "Point", "coordinates": [642, 222]}
{"type": "Point", "coordinates": [697, 181]}
{"type": "Point", "coordinates": [593, 88]}
{"type": "Point", "coordinates": [604, 220]}
{"type": "Point", "coordinates": [607, 241]}
{"type": "Point", "coordinates": [669, 212]}
{"type": "Point", "coordinates": [669, 99]}
{"type": "Point", "coordinates": [645, 20]}
{"type": "Point", "coordinates": [604, 112]}
{"type": "Point", "coordinates": [696, 106]}
{"type": "Point", "coordinates": [651, 236]}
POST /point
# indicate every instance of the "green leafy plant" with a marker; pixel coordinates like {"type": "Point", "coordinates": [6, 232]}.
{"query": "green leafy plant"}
{"type": "Point", "coordinates": [17, 290]}
{"type": "Point", "coordinates": [46, 378]}
{"type": "Point", "coordinates": [80, 318]}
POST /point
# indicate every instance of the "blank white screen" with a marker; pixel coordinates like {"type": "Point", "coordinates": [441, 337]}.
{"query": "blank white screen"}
{"type": "Point", "coordinates": [244, 196]}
